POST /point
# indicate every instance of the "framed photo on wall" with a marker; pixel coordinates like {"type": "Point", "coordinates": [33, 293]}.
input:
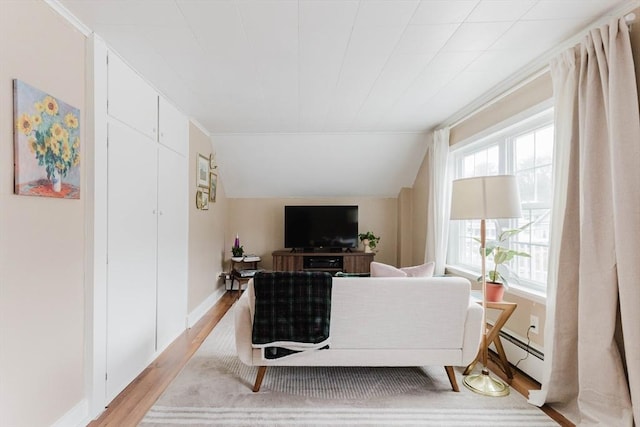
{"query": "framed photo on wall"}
{"type": "Point", "coordinates": [202, 170]}
{"type": "Point", "coordinates": [213, 186]}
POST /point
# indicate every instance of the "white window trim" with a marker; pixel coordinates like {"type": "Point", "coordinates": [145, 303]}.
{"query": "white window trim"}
{"type": "Point", "coordinates": [514, 289]}
{"type": "Point", "coordinates": [534, 116]}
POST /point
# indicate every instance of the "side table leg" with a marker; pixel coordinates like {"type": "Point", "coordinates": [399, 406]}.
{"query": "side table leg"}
{"type": "Point", "coordinates": [503, 357]}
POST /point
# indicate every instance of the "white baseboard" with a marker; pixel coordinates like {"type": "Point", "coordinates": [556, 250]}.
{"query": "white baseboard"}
{"type": "Point", "coordinates": [532, 365]}
{"type": "Point", "coordinates": [205, 306]}
{"type": "Point", "coordinates": [77, 416]}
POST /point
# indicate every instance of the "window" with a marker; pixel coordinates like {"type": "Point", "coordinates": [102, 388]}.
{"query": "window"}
{"type": "Point", "coordinates": [524, 149]}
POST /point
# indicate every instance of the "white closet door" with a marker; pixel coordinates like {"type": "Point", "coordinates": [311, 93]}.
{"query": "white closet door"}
{"type": "Point", "coordinates": [174, 127]}
{"type": "Point", "coordinates": [131, 99]}
{"type": "Point", "coordinates": [172, 245]}
{"type": "Point", "coordinates": [132, 234]}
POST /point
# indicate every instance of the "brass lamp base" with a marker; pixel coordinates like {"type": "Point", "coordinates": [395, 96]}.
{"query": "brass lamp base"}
{"type": "Point", "coordinates": [484, 384]}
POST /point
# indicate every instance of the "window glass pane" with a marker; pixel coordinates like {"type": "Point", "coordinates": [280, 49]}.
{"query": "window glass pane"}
{"type": "Point", "coordinates": [525, 151]}
{"type": "Point", "coordinates": [468, 166]}
{"type": "Point", "coordinates": [526, 184]}
{"type": "Point", "coordinates": [480, 163]}
{"type": "Point", "coordinates": [493, 161]}
{"type": "Point", "coordinates": [543, 184]}
{"type": "Point", "coordinates": [544, 146]}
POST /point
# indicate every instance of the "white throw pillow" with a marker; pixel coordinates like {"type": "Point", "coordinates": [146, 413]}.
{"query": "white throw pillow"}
{"type": "Point", "coordinates": [379, 269]}
{"type": "Point", "coordinates": [424, 270]}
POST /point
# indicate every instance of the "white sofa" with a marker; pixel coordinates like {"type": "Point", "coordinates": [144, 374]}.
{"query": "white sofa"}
{"type": "Point", "coordinates": [380, 321]}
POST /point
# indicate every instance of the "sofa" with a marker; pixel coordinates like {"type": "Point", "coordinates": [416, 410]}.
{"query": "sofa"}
{"type": "Point", "coordinates": [382, 321]}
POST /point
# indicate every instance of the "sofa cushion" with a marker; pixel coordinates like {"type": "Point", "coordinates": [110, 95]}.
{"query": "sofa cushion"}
{"type": "Point", "coordinates": [424, 270]}
{"type": "Point", "coordinates": [379, 269]}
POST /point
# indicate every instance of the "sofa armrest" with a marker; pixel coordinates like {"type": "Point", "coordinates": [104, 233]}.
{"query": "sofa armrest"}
{"type": "Point", "coordinates": [243, 330]}
{"type": "Point", "coordinates": [472, 333]}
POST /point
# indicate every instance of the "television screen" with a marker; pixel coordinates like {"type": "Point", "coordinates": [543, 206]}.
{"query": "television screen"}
{"type": "Point", "coordinates": [321, 227]}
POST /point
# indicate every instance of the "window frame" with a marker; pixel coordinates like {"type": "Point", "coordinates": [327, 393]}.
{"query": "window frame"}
{"type": "Point", "coordinates": [504, 136]}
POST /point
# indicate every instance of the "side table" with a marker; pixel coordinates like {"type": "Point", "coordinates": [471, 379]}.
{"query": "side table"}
{"type": "Point", "coordinates": [493, 335]}
{"type": "Point", "coordinates": [242, 271]}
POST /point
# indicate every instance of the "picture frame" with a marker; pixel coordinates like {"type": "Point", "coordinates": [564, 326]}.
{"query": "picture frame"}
{"type": "Point", "coordinates": [46, 144]}
{"type": "Point", "coordinates": [202, 199]}
{"type": "Point", "coordinates": [202, 172]}
{"type": "Point", "coordinates": [212, 161]}
{"type": "Point", "coordinates": [213, 186]}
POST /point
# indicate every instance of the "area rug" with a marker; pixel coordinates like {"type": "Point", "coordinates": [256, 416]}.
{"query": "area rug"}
{"type": "Point", "coordinates": [214, 388]}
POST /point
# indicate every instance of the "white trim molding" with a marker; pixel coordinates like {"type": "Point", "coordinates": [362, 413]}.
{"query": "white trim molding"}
{"type": "Point", "coordinates": [204, 306]}
{"type": "Point", "coordinates": [75, 417]}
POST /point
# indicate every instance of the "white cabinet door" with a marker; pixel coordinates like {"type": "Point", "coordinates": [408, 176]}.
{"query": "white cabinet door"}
{"type": "Point", "coordinates": [131, 99]}
{"type": "Point", "coordinates": [131, 243]}
{"type": "Point", "coordinates": [172, 245]}
{"type": "Point", "coordinates": [174, 127]}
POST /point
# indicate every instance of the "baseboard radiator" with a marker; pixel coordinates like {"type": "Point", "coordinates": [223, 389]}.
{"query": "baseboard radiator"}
{"type": "Point", "coordinates": [530, 360]}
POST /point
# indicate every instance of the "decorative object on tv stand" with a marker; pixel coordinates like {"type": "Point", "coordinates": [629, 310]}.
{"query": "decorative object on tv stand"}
{"type": "Point", "coordinates": [46, 144]}
{"type": "Point", "coordinates": [369, 240]}
{"type": "Point", "coordinates": [498, 277]}
{"type": "Point", "coordinates": [485, 197]}
{"type": "Point", "coordinates": [237, 250]}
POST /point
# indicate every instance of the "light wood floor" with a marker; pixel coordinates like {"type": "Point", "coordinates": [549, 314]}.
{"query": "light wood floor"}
{"type": "Point", "coordinates": [130, 406]}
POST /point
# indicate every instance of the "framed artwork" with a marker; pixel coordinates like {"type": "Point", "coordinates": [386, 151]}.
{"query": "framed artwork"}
{"type": "Point", "coordinates": [212, 161]}
{"type": "Point", "coordinates": [202, 169]}
{"type": "Point", "coordinates": [213, 186]}
{"type": "Point", "coordinates": [46, 142]}
{"type": "Point", "coordinates": [202, 199]}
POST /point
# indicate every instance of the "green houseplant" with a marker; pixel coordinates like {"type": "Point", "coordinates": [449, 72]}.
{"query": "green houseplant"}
{"type": "Point", "coordinates": [499, 252]}
{"type": "Point", "coordinates": [237, 251]}
{"type": "Point", "coordinates": [369, 240]}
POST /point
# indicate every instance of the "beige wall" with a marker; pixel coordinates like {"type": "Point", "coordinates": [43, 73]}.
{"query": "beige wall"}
{"type": "Point", "coordinates": [42, 239]}
{"type": "Point", "coordinates": [260, 224]}
{"type": "Point", "coordinates": [206, 229]}
{"type": "Point", "coordinates": [405, 235]}
{"type": "Point", "coordinates": [533, 93]}
{"type": "Point", "coordinates": [419, 210]}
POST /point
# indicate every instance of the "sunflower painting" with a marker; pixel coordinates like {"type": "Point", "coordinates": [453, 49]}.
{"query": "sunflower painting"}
{"type": "Point", "coordinates": [46, 144]}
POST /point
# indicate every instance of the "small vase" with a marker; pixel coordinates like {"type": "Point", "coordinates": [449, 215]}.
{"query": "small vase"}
{"type": "Point", "coordinates": [56, 180]}
{"type": "Point", "coordinates": [495, 292]}
{"type": "Point", "coordinates": [367, 248]}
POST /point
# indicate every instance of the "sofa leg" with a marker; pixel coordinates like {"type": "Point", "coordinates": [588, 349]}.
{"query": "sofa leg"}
{"type": "Point", "coordinates": [452, 378]}
{"type": "Point", "coordinates": [261, 371]}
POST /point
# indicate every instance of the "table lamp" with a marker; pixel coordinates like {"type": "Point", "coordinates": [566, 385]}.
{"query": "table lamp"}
{"type": "Point", "coordinates": [485, 197]}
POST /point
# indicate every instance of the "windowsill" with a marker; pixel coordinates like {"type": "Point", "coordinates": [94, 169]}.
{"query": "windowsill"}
{"type": "Point", "coordinates": [516, 290]}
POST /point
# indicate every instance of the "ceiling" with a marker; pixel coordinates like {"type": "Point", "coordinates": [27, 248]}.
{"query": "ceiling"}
{"type": "Point", "coordinates": [326, 98]}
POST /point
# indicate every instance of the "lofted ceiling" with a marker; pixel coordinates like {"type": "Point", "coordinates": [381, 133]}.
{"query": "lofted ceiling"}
{"type": "Point", "coordinates": [325, 98]}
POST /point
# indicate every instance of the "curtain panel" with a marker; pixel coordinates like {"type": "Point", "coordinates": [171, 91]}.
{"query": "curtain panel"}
{"type": "Point", "coordinates": [592, 353]}
{"type": "Point", "coordinates": [438, 201]}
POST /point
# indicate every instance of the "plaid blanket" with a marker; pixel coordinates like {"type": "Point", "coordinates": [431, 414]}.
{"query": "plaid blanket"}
{"type": "Point", "coordinates": [292, 312]}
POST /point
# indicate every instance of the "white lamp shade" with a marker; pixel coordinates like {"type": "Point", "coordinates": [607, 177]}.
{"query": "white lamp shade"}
{"type": "Point", "coordinates": [485, 197]}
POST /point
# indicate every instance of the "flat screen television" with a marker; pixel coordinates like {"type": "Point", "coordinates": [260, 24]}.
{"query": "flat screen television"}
{"type": "Point", "coordinates": [315, 227]}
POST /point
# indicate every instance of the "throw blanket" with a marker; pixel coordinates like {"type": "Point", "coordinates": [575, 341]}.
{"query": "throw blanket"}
{"type": "Point", "coordinates": [292, 312]}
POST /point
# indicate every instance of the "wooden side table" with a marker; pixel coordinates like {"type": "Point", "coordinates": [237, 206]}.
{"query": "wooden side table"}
{"type": "Point", "coordinates": [493, 335]}
{"type": "Point", "coordinates": [242, 271]}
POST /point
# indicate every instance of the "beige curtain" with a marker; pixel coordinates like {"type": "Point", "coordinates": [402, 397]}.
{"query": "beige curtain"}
{"type": "Point", "coordinates": [592, 353]}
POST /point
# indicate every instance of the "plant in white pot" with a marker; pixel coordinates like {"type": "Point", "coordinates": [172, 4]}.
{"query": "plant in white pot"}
{"type": "Point", "coordinates": [369, 240]}
{"type": "Point", "coordinates": [500, 253]}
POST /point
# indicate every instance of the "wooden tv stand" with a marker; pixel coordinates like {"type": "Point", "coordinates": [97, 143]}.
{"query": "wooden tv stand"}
{"type": "Point", "coordinates": [332, 262]}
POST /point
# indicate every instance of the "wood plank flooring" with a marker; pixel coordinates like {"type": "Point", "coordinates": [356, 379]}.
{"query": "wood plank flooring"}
{"type": "Point", "coordinates": [130, 406]}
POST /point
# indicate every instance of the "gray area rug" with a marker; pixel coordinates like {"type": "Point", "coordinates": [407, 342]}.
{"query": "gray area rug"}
{"type": "Point", "coordinates": [214, 388]}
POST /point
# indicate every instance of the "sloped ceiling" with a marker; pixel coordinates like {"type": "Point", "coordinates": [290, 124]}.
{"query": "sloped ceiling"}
{"type": "Point", "coordinates": [329, 97]}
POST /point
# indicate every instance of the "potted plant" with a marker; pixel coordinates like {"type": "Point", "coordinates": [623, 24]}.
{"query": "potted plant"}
{"type": "Point", "coordinates": [369, 240]}
{"type": "Point", "coordinates": [238, 252]}
{"type": "Point", "coordinates": [500, 253]}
